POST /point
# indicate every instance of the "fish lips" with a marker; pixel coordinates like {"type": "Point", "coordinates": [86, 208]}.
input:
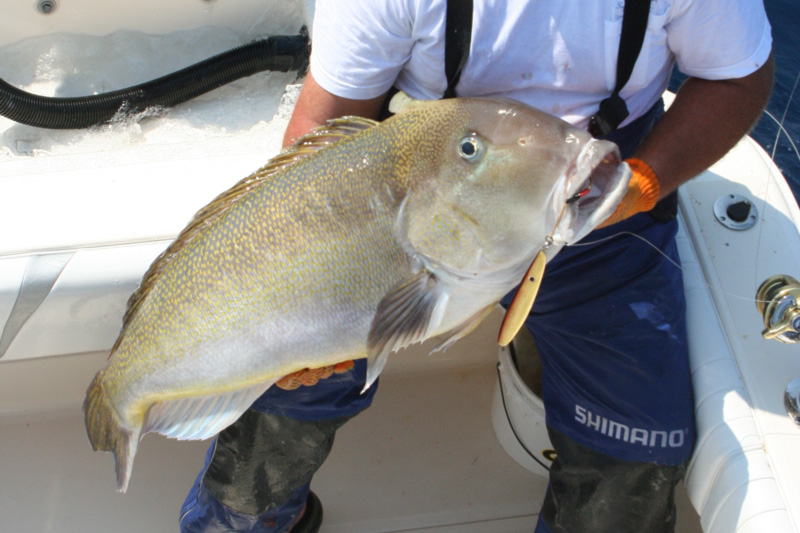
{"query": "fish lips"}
{"type": "Point", "coordinates": [596, 182]}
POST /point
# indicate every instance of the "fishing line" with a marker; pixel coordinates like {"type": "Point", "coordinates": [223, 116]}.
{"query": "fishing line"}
{"type": "Point", "coordinates": [781, 128]}
{"type": "Point", "coordinates": [783, 119]}
{"type": "Point", "coordinates": [668, 258]}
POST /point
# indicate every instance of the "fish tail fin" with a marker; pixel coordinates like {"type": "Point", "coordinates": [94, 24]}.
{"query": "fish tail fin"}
{"type": "Point", "coordinates": [106, 434]}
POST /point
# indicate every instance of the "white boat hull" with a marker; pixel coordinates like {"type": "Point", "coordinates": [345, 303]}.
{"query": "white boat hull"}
{"type": "Point", "coordinates": [84, 214]}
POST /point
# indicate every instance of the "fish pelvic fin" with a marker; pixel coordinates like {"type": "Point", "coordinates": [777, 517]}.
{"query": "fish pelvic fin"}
{"type": "Point", "coordinates": [106, 434]}
{"type": "Point", "coordinates": [408, 314]}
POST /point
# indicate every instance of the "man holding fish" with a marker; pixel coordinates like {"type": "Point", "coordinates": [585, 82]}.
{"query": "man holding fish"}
{"type": "Point", "coordinates": [609, 316]}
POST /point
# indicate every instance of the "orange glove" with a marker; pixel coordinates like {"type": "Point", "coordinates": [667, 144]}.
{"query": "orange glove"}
{"type": "Point", "coordinates": [310, 376]}
{"type": "Point", "coordinates": [642, 195]}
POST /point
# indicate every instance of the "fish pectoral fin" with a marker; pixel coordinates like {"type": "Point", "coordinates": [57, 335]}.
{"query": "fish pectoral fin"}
{"type": "Point", "coordinates": [408, 314]}
{"type": "Point", "coordinates": [450, 338]}
{"type": "Point", "coordinates": [201, 417]}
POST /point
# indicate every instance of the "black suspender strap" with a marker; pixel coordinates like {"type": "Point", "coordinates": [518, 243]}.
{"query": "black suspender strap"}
{"type": "Point", "coordinates": [457, 38]}
{"type": "Point", "coordinates": [613, 109]}
{"type": "Point", "coordinates": [458, 35]}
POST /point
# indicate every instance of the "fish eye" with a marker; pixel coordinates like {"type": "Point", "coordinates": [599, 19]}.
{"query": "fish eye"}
{"type": "Point", "coordinates": [470, 148]}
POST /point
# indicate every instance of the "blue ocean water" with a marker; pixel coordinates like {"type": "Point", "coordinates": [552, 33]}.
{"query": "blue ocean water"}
{"type": "Point", "coordinates": [784, 105]}
{"type": "Point", "coordinates": [784, 15]}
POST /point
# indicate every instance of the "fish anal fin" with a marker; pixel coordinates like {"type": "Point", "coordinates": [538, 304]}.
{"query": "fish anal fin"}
{"type": "Point", "coordinates": [201, 417]}
{"type": "Point", "coordinates": [450, 338]}
{"type": "Point", "coordinates": [188, 418]}
{"type": "Point", "coordinates": [408, 314]}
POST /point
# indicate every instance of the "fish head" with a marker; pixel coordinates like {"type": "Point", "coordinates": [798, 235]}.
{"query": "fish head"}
{"type": "Point", "coordinates": [495, 189]}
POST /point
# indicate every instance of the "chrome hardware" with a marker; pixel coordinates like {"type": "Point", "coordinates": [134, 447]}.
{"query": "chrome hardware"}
{"type": "Point", "coordinates": [735, 212]}
{"type": "Point", "coordinates": [778, 301]}
{"type": "Point", "coordinates": [791, 399]}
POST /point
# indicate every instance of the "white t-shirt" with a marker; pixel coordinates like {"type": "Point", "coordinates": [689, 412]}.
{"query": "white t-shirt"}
{"type": "Point", "coordinates": [557, 55]}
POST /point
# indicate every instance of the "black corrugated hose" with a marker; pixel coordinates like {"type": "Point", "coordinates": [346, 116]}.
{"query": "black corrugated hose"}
{"type": "Point", "coordinates": [278, 53]}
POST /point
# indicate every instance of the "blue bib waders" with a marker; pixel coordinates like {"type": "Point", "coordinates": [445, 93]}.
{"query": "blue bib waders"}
{"type": "Point", "coordinates": [609, 325]}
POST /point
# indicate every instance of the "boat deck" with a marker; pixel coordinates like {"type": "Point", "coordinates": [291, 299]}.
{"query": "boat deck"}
{"type": "Point", "coordinates": [424, 457]}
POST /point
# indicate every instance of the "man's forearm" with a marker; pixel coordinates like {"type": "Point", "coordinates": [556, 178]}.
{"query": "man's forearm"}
{"type": "Point", "coordinates": [315, 106]}
{"type": "Point", "coordinates": [704, 122]}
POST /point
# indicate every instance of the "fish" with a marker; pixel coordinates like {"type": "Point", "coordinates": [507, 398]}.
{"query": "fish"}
{"type": "Point", "coordinates": [360, 239]}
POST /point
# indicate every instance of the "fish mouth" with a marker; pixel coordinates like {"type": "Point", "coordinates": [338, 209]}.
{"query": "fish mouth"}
{"type": "Point", "coordinates": [596, 181]}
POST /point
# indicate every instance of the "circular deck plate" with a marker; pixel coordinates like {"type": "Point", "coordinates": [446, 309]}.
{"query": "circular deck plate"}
{"type": "Point", "coordinates": [721, 212]}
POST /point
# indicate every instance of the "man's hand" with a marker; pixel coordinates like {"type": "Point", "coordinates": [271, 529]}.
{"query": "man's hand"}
{"type": "Point", "coordinates": [311, 376]}
{"type": "Point", "coordinates": [642, 195]}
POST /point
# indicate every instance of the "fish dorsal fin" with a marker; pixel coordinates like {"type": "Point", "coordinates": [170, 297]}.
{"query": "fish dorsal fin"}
{"type": "Point", "coordinates": [408, 314]}
{"type": "Point", "coordinates": [305, 146]}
